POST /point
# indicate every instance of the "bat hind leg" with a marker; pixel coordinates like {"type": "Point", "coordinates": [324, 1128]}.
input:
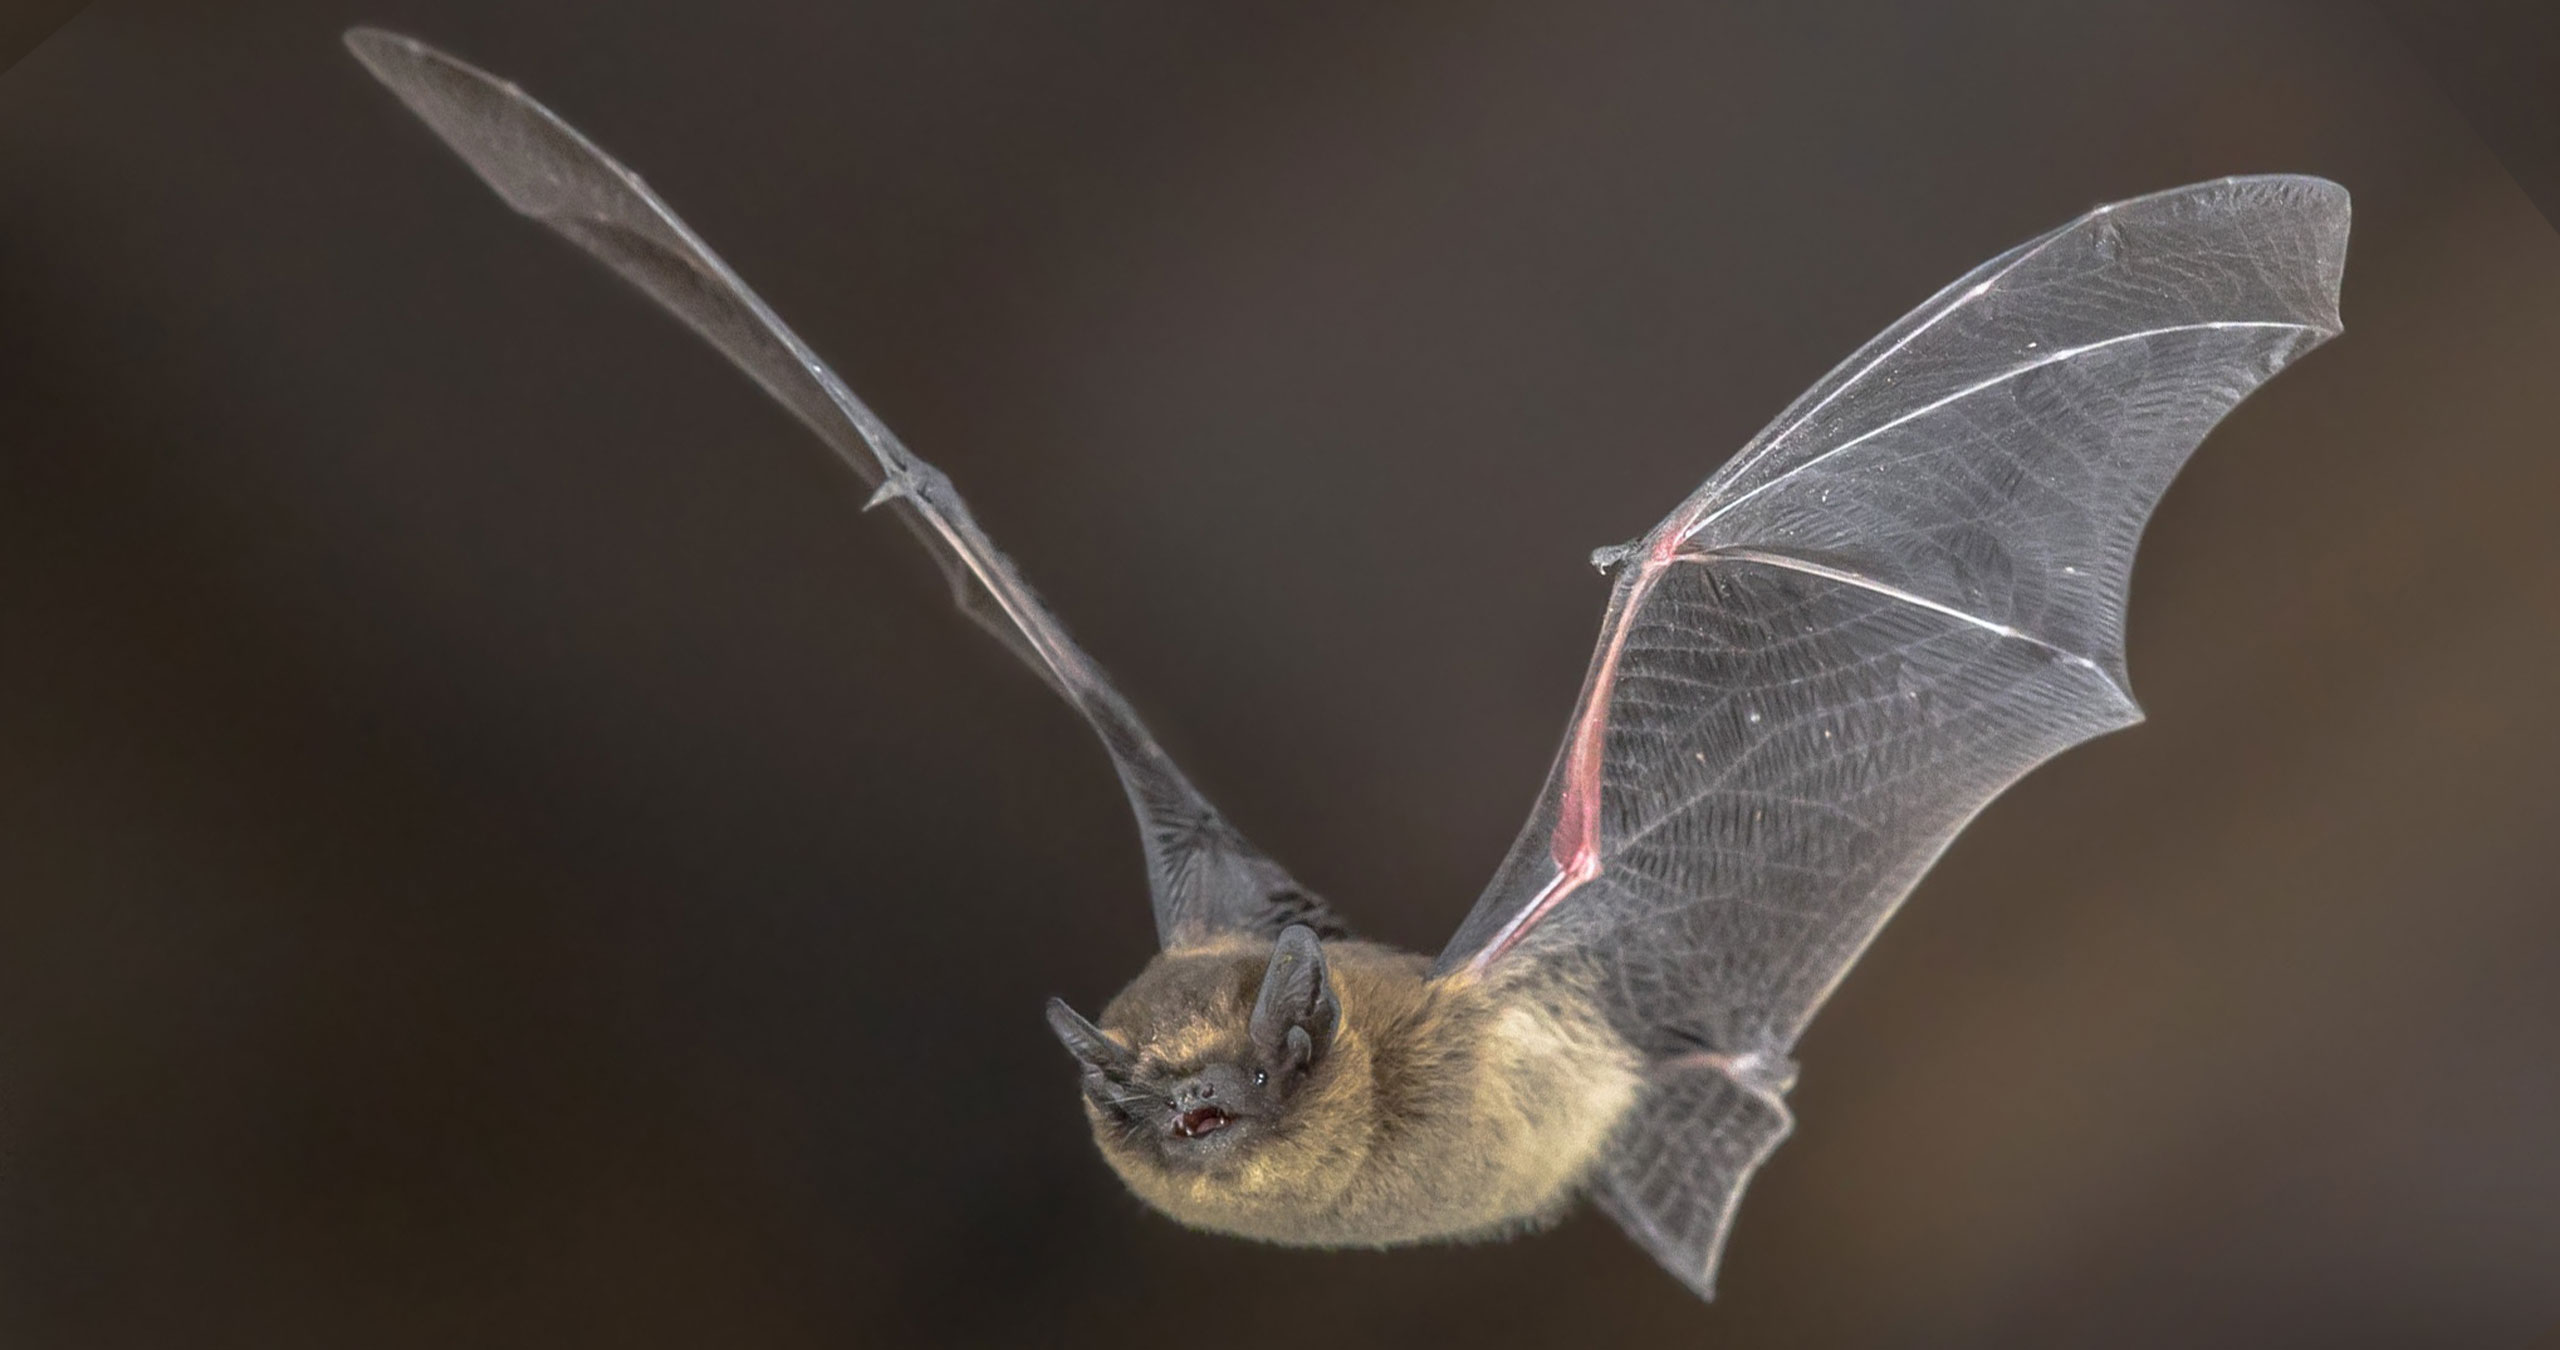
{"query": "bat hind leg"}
{"type": "Point", "coordinates": [1676, 1169]}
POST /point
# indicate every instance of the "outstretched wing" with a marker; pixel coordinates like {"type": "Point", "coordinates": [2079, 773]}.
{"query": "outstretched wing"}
{"type": "Point", "coordinates": [1206, 879]}
{"type": "Point", "coordinates": [1904, 594]}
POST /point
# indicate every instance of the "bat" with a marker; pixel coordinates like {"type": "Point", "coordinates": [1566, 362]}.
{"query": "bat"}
{"type": "Point", "coordinates": [1898, 598]}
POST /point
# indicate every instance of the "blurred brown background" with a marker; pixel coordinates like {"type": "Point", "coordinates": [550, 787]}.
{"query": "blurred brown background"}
{"type": "Point", "coordinates": [495, 851]}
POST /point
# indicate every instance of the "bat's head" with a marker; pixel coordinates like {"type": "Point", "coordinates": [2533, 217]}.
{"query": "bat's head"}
{"type": "Point", "coordinates": [1209, 1060]}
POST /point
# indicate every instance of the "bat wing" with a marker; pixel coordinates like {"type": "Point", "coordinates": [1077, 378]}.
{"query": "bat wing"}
{"type": "Point", "coordinates": [1205, 878]}
{"type": "Point", "coordinates": [1902, 595]}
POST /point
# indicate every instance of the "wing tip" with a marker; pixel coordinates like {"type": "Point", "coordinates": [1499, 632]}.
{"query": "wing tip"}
{"type": "Point", "coordinates": [404, 65]}
{"type": "Point", "coordinates": [465, 106]}
{"type": "Point", "coordinates": [2309, 211]}
{"type": "Point", "coordinates": [364, 37]}
{"type": "Point", "coordinates": [384, 53]}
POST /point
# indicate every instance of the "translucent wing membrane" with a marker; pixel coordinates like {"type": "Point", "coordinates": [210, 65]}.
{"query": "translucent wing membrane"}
{"type": "Point", "coordinates": [1904, 594]}
{"type": "Point", "coordinates": [1206, 879]}
{"type": "Point", "coordinates": [1696, 1137]}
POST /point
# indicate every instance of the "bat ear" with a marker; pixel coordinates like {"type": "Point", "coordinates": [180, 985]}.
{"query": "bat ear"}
{"type": "Point", "coordinates": [1294, 1018]}
{"type": "Point", "coordinates": [1093, 1049]}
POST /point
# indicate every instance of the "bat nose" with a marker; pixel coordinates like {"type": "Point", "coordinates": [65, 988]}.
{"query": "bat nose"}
{"type": "Point", "coordinates": [1195, 1091]}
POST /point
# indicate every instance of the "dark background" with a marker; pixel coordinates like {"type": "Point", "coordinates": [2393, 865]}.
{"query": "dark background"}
{"type": "Point", "coordinates": [495, 851]}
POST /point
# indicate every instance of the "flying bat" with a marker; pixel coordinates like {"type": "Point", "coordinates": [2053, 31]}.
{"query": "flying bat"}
{"type": "Point", "coordinates": [1898, 598]}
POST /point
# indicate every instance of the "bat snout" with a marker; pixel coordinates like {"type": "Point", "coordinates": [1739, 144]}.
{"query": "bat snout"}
{"type": "Point", "coordinates": [1202, 1106]}
{"type": "Point", "coordinates": [1200, 1121]}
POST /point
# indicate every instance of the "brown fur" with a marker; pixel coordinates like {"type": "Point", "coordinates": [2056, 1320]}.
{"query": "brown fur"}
{"type": "Point", "coordinates": [1448, 1108]}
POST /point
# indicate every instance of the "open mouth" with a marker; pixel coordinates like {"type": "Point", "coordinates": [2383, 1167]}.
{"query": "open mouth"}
{"type": "Point", "coordinates": [1200, 1120]}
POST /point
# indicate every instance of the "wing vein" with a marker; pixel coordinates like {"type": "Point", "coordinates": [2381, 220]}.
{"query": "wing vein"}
{"type": "Point", "coordinates": [1771, 558]}
{"type": "Point", "coordinates": [2055, 357]}
{"type": "Point", "coordinates": [1978, 290]}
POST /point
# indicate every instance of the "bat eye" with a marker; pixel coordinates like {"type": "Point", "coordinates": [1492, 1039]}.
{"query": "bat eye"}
{"type": "Point", "coordinates": [1261, 1077]}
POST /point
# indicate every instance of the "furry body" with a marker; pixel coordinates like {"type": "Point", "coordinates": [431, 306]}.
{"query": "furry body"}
{"type": "Point", "coordinates": [1444, 1108]}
